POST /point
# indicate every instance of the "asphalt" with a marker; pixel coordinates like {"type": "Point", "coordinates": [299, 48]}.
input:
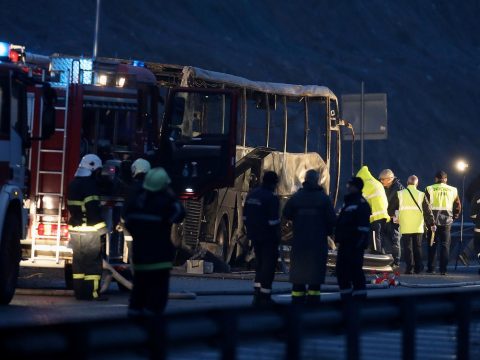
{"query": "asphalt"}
{"type": "Point", "coordinates": [50, 281]}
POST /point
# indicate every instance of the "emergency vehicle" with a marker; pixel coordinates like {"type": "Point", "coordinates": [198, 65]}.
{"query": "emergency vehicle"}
{"type": "Point", "coordinates": [21, 94]}
{"type": "Point", "coordinates": [108, 107]}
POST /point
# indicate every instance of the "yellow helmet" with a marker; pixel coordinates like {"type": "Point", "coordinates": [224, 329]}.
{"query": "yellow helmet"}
{"type": "Point", "coordinates": [157, 179]}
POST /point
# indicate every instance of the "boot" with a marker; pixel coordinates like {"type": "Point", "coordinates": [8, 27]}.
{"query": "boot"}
{"type": "Point", "coordinates": [298, 300]}
{"type": "Point", "coordinates": [266, 299]}
{"type": "Point", "coordinates": [313, 300]}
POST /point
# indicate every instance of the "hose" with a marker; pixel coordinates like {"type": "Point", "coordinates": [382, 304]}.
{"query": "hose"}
{"type": "Point", "coordinates": [438, 286]}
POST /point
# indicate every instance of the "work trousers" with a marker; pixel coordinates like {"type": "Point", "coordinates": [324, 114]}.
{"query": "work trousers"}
{"type": "Point", "coordinates": [301, 295]}
{"type": "Point", "coordinates": [86, 264]}
{"type": "Point", "coordinates": [266, 256]}
{"type": "Point", "coordinates": [150, 292]}
{"type": "Point", "coordinates": [390, 239]}
{"type": "Point", "coordinates": [442, 241]}
{"type": "Point", "coordinates": [350, 276]}
{"type": "Point", "coordinates": [412, 246]}
{"type": "Point", "coordinates": [377, 228]}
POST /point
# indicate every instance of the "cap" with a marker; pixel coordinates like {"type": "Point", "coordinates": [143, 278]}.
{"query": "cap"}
{"type": "Point", "coordinates": [441, 175]}
{"type": "Point", "coordinates": [357, 182]}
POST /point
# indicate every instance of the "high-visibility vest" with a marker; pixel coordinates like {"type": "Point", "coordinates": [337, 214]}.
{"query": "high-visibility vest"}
{"type": "Point", "coordinates": [375, 195]}
{"type": "Point", "coordinates": [410, 217]}
{"type": "Point", "coordinates": [374, 192]}
{"type": "Point", "coordinates": [442, 197]}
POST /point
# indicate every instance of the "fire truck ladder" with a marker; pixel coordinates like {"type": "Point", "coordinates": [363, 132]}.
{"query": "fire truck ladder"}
{"type": "Point", "coordinates": [42, 216]}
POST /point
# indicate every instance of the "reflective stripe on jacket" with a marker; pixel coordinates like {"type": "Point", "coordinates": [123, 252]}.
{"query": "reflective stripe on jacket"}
{"type": "Point", "coordinates": [410, 217]}
{"type": "Point", "coordinates": [442, 198]}
{"type": "Point", "coordinates": [374, 192]}
{"type": "Point", "coordinates": [83, 203]}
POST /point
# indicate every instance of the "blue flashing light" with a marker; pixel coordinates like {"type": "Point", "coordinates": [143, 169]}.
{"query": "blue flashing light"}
{"type": "Point", "coordinates": [4, 49]}
{"type": "Point", "coordinates": [138, 63]}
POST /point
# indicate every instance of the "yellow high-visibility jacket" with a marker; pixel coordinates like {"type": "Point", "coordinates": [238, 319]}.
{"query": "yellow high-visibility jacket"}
{"type": "Point", "coordinates": [374, 193]}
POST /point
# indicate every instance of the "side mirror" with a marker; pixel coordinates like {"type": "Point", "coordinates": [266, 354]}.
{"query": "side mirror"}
{"type": "Point", "coordinates": [48, 114]}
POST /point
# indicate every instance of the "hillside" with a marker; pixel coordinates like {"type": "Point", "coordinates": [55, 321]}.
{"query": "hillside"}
{"type": "Point", "coordinates": [424, 54]}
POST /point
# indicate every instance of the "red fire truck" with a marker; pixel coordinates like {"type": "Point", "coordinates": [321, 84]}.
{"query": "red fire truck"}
{"type": "Point", "coordinates": [19, 88]}
{"type": "Point", "coordinates": [104, 106]}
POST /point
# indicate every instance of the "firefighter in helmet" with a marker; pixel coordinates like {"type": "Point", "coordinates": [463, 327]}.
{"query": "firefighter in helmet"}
{"type": "Point", "coordinates": [86, 226]}
{"type": "Point", "coordinates": [149, 214]}
{"type": "Point", "coordinates": [139, 168]}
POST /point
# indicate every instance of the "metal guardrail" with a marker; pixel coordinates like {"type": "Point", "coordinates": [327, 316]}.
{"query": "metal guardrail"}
{"type": "Point", "coordinates": [225, 328]}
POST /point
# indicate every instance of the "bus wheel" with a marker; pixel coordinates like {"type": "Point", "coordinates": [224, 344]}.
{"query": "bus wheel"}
{"type": "Point", "coordinates": [9, 258]}
{"type": "Point", "coordinates": [222, 240]}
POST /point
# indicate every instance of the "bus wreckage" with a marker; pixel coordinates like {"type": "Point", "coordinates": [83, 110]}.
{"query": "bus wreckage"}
{"type": "Point", "coordinates": [217, 152]}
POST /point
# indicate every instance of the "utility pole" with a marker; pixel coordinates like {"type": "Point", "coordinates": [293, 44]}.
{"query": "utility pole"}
{"type": "Point", "coordinates": [362, 121]}
{"type": "Point", "coordinates": [97, 25]}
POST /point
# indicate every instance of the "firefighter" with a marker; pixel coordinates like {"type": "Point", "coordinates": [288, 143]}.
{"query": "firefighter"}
{"type": "Point", "coordinates": [374, 193]}
{"type": "Point", "coordinates": [86, 226]}
{"type": "Point", "coordinates": [149, 214]}
{"type": "Point", "coordinates": [313, 217]}
{"type": "Point", "coordinates": [413, 212]}
{"type": "Point", "coordinates": [446, 207]}
{"type": "Point", "coordinates": [262, 221]}
{"type": "Point", "coordinates": [352, 235]}
{"type": "Point", "coordinates": [391, 234]}
{"type": "Point", "coordinates": [139, 169]}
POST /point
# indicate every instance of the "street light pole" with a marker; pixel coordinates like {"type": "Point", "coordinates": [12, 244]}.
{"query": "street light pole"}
{"type": "Point", "coordinates": [462, 167]}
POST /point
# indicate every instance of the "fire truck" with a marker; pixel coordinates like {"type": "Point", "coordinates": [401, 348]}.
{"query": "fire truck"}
{"type": "Point", "coordinates": [21, 92]}
{"type": "Point", "coordinates": [104, 106]}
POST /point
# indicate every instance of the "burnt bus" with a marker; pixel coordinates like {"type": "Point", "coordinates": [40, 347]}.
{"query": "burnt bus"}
{"type": "Point", "coordinates": [222, 132]}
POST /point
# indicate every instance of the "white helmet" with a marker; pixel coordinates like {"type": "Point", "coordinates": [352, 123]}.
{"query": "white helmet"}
{"type": "Point", "coordinates": [88, 164]}
{"type": "Point", "coordinates": [140, 166]}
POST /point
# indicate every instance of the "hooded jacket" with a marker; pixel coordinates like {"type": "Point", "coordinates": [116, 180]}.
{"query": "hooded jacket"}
{"type": "Point", "coordinates": [374, 192]}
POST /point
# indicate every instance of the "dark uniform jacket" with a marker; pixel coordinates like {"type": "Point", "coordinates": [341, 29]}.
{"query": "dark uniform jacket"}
{"type": "Point", "coordinates": [353, 223]}
{"type": "Point", "coordinates": [261, 215]}
{"type": "Point", "coordinates": [313, 218]}
{"type": "Point", "coordinates": [149, 217]}
{"type": "Point", "coordinates": [84, 205]}
{"type": "Point", "coordinates": [392, 197]}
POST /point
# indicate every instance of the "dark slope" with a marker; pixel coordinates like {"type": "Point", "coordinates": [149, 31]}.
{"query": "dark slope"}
{"type": "Point", "coordinates": [424, 54]}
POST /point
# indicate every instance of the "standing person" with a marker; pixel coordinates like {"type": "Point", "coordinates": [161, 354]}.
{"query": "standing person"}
{"type": "Point", "coordinates": [313, 217]}
{"type": "Point", "coordinates": [86, 226]}
{"type": "Point", "coordinates": [374, 193]}
{"type": "Point", "coordinates": [139, 169]}
{"type": "Point", "coordinates": [391, 234]}
{"type": "Point", "coordinates": [446, 207]}
{"type": "Point", "coordinates": [352, 235]}
{"type": "Point", "coordinates": [149, 214]}
{"type": "Point", "coordinates": [262, 220]}
{"type": "Point", "coordinates": [411, 219]}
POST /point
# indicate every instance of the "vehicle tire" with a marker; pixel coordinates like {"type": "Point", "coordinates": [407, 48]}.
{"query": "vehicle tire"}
{"type": "Point", "coordinates": [9, 258]}
{"type": "Point", "coordinates": [222, 240]}
{"type": "Point", "coordinates": [68, 275]}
